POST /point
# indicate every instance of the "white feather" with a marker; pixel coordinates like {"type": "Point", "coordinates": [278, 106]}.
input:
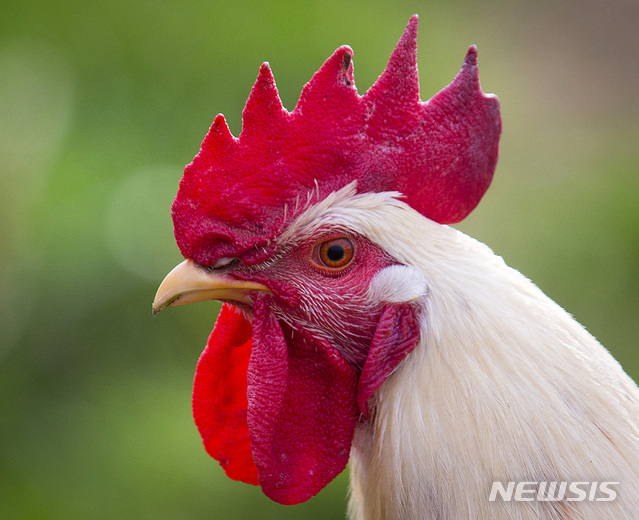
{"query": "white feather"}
{"type": "Point", "coordinates": [504, 384]}
{"type": "Point", "coordinates": [397, 283]}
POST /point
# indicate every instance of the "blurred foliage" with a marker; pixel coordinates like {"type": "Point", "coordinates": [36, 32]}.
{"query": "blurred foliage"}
{"type": "Point", "coordinates": [101, 105]}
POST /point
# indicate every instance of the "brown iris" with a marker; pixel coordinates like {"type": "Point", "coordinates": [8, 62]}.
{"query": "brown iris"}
{"type": "Point", "coordinates": [335, 254]}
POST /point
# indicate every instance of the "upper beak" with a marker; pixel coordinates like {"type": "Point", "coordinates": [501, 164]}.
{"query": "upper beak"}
{"type": "Point", "coordinates": [189, 283]}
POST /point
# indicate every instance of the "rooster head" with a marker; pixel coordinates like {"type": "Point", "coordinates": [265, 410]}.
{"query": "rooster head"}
{"type": "Point", "coordinates": [317, 315]}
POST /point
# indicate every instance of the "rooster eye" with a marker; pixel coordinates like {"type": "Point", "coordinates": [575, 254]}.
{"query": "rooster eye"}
{"type": "Point", "coordinates": [335, 254]}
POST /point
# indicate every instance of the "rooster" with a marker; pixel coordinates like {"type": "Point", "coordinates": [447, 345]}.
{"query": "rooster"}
{"type": "Point", "coordinates": [358, 326]}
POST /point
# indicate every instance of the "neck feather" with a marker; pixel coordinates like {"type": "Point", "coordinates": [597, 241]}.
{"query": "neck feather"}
{"type": "Point", "coordinates": [503, 386]}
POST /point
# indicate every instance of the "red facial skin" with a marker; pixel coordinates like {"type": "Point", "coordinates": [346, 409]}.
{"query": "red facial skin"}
{"type": "Point", "coordinates": [277, 399]}
{"type": "Point", "coordinates": [327, 302]}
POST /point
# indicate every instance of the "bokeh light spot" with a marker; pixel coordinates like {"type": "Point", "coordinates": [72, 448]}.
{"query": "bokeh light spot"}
{"type": "Point", "coordinates": [139, 230]}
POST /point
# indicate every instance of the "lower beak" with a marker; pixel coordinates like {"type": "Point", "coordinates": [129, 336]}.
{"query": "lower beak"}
{"type": "Point", "coordinates": [189, 282]}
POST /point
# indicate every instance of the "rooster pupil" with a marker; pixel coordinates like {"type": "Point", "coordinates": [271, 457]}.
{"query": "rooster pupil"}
{"type": "Point", "coordinates": [335, 253]}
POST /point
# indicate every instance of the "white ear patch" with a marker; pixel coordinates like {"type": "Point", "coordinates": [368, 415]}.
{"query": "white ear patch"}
{"type": "Point", "coordinates": [396, 284]}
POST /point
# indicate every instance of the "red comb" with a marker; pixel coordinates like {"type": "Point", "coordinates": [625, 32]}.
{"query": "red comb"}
{"type": "Point", "coordinates": [238, 193]}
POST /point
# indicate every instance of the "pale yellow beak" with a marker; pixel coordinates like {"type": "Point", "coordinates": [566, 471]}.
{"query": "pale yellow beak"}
{"type": "Point", "coordinates": [189, 283]}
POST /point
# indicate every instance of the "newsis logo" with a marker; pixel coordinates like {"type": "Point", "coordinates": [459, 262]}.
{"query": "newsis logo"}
{"type": "Point", "coordinates": [529, 491]}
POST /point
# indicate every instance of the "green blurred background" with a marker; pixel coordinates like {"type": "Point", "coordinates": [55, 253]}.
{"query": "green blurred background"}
{"type": "Point", "coordinates": [102, 104]}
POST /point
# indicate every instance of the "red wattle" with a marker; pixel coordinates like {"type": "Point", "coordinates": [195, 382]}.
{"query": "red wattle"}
{"type": "Point", "coordinates": [278, 409]}
{"type": "Point", "coordinates": [396, 335]}
{"type": "Point", "coordinates": [302, 409]}
{"type": "Point", "coordinates": [219, 395]}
